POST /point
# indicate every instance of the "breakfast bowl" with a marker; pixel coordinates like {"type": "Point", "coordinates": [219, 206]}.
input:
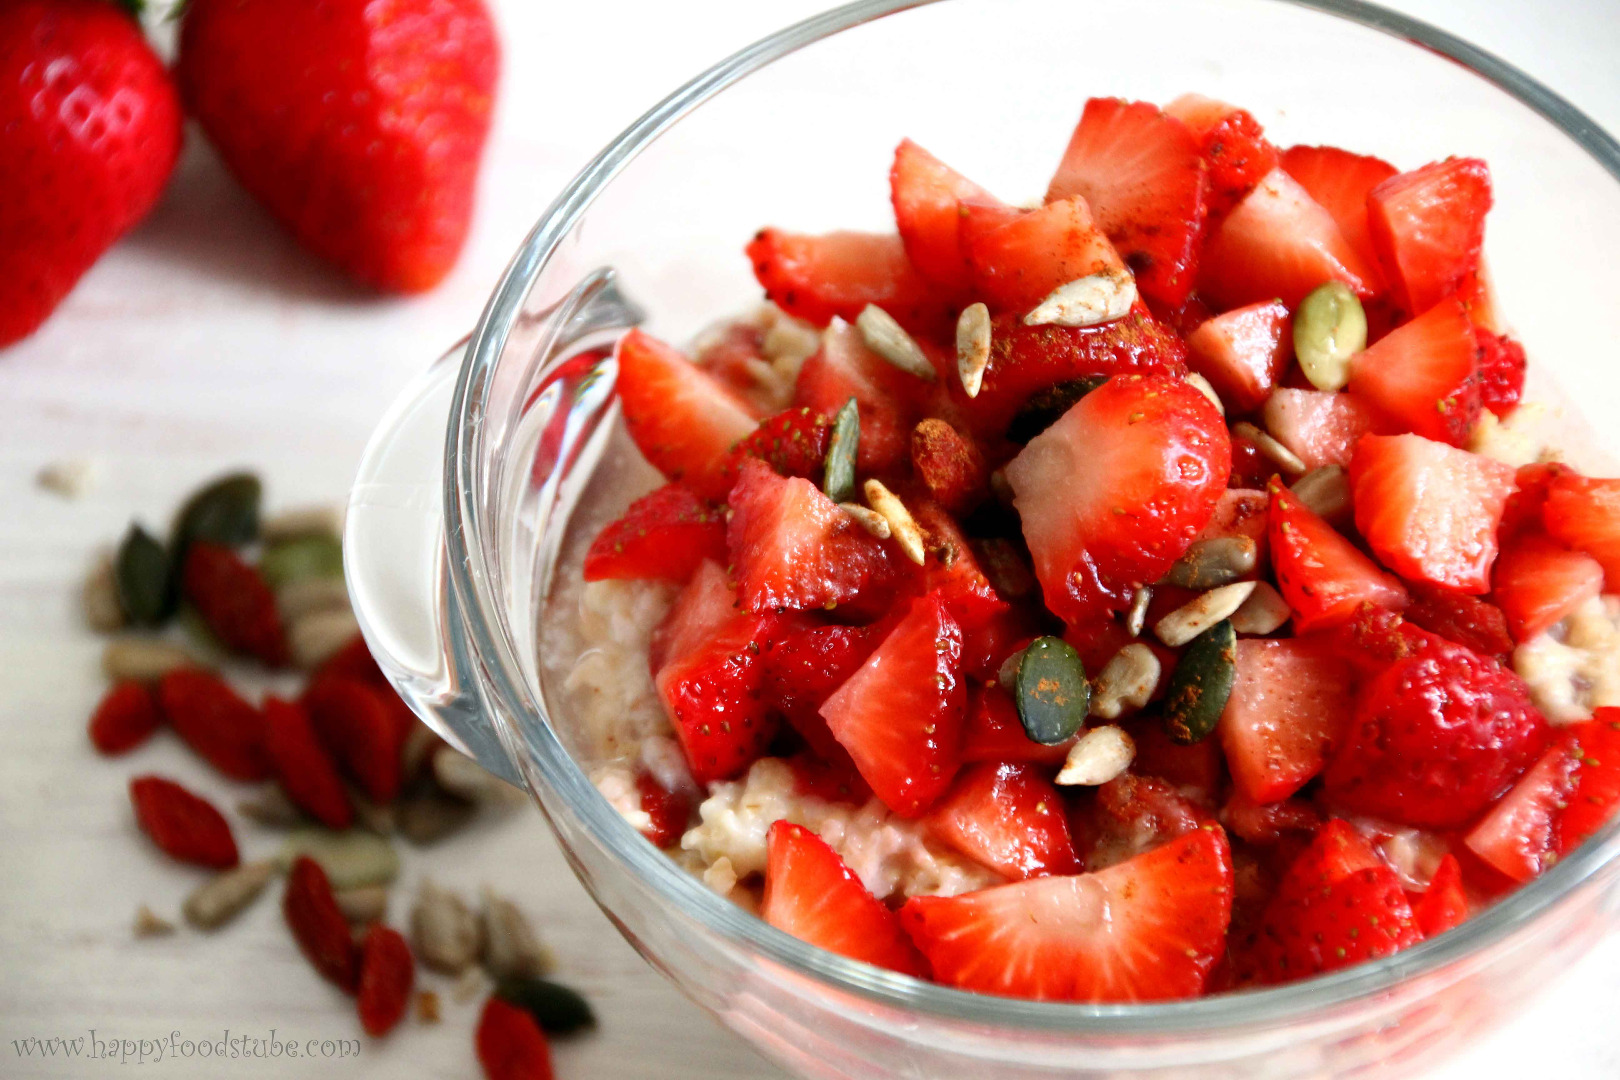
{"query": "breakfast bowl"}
{"type": "Point", "coordinates": [486, 480]}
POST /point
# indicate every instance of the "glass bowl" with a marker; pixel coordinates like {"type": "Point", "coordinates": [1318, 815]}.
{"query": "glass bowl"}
{"type": "Point", "coordinates": [476, 490]}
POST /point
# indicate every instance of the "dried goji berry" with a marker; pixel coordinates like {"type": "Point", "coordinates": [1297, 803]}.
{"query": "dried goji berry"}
{"type": "Point", "coordinates": [126, 717]}
{"type": "Point", "coordinates": [667, 809]}
{"type": "Point", "coordinates": [511, 1045]}
{"type": "Point", "coordinates": [303, 766]}
{"type": "Point", "coordinates": [318, 923]}
{"type": "Point", "coordinates": [387, 971]}
{"type": "Point", "coordinates": [356, 724]}
{"type": "Point", "coordinates": [184, 825]}
{"type": "Point", "coordinates": [214, 721]}
{"type": "Point", "coordinates": [233, 599]}
{"type": "Point", "coordinates": [353, 661]}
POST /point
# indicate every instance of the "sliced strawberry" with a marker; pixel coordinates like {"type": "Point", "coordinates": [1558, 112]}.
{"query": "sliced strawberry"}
{"type": "Point", "coordinates": [734, 355]}
{"type": "Point", "coordinates": [793, 442]}
{"type": "Point", "coordinates": [1324, 578]}
{"type": "Point", "coordinates": [1596, 749]}
{"type": "Point", "coordinates": [1197, 770]}
{"type": "Point", "coordinates": [1458, 617]}
{"type": "Point", "coordinates": [950, 466]}
{"type": "Point", "coordinates": [1243, 352]}
{"type": "Point", "coordinates": [1007, 817]}
{"type": "Point", "coordinates": [1019, 257]}
{"type": "Point", "coordinates": [1427, 226]}
{"type": "Point", "coordinates": [1538, 583]}
{"type": "Point", "coordinates": [1240, 511]}
{"type": "Point", "coordinates": [1150, 929]}
{"type": "Point", "coordinates": [926, 193]}
{"type": "Point", "coordinates": [1131, 815]}
{"type": "Point", "coordinates": [834, 781]}
{"type": "Point", "coordinates": [804, 664]}
{"type": "Point", "coordinates": [1321, 427]}
{"type": "Point", "coordinates": [1444, 904]}
{"type": "Point", "coordinates": [1270, 824]}
{"type": "Point", "coordinates": [811, 894]}
{"type": "Point", "coordinates": [707, 601]}
{"type": "Point", "coordinates": [663, 536]}
{"type": "Point", "coordinates": [992, 731]}
{"type": "Point", "coordinates": [818, 277]}
{"type": "Point", "coordinates": [845, 368]}
{"type": "Point", "coordinates": [1290, 705]}
{"type": "Point", "coordinates": [683, 419]}
{"type": "Point", "coordinates": [1115, 491]}
{"type": "Point", "coordinates": [1141, 173]}
{"type": "Point", "coordinates": [1362, 916]}
{"type": "Point", "coordinates": [1430, 511]}
{"type": "Point", "coordinates": [793, 548]}
{"type": "Point", "coordinates": [1233, 144]}
{"type": "Point", "coordinates": [1501, 370]}
{"type": "Point", "coordinates": [1340, 182]}
{"type": "Point", "coordinates": [714, 698]}
{"type": "Point", "coordinates": [950, 570]}
{"type": "Point", "coordinates": [1278, 244]}
{"type": "Point", "coordinates": [1526, 506]}
{"type": "Point", "coordinates": [1517, 837]}
{"type": "Point", "coordinates": [1478, 295]}
{"type": "Point", "coordinates": [1585, 514]}
{"type": "Point", "coordinates": [900, 715]}
{"type": "Point", "coordinates": [667, 811]}
{"type": "Point", "coordinates": [1425, 374]}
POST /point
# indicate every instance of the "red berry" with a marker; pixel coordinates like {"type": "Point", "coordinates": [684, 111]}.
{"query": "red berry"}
{"type": "Point", "coordinates": [1501, 371]}
{"type": "Point", "coordinates": [356, 724]}
{"type": "Point", "coordinates": [214, 721]}
{"type": "Point", "coordinates": [387, 971]}
{"type": "Point", "coordinates": [303, 766]}
{"type": "Point", "coordinates": [663, 536]}
{"type": "Point", "coordinates": [511, 1045]}
{"type": "Point", "coordinates": [182, 824]}
{"type": "Point", "coordinates": [1458, 617]}
{"type": "Point", "coordinates": [668, 811]}
{"type": "Point", "coordinates": [126, 717]}
{"type": "Point", "coordinates": [318, 924]}
{"type": "Point", "coordinates": [234, 600]}
{"type": "Point", "coordinates": [793, 442]}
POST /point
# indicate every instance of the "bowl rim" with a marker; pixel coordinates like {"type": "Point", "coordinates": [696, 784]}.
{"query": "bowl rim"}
{"type": "Point", "coordinates": [471, 569]}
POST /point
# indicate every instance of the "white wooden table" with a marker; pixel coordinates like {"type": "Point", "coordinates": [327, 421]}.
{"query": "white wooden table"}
{"type": "Point", "coordinates": [206, 341]}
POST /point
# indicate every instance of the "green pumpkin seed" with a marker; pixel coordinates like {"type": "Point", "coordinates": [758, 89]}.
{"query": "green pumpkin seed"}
{"type": "Point", "coordinates": [1052, 692]}
{"type": "Point", "coordinates": [846, 440]}
{"type": "Point", "coordinates": [301, 559]}
{"type": "Point", "coordinates": [351, 858]}
{"type": "Point", "coordinates": [144, 576]}
{"type": "Point", "coordinates": [557, 1009]}
{"type": "Point", "coordinates": [1044, 408]}
{"type": "Point", "coordinates": [224, 512]}
{"type": "Point", "coordinates": [1330, 327]}
{"type": "Point", "coordinates": [1201, 684]}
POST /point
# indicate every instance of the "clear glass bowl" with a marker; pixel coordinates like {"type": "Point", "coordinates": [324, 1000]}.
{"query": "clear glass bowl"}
{"type": "Point", "coordinates": [485, 472]}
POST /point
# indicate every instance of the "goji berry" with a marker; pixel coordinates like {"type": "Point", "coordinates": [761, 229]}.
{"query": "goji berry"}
{"type": "Point", "coordinates": [317, 922]}
{"type": "Point", "coordinates": [234, 600]}
{"type": "Point", "coordinates": [214, 721]}
{"type": "Point", "coordinates": [303, 766]}
{"type": "Point", "coordinates": [184, 825]}
{"type": "Point", "coordinates": [355, 723]}
{"type": "Point", "coordinates": [387, 971]}
{"type": "Point", "coordinates": [353, 661]}
{"type": "Point", "coordinates": [511, 1045]}
{"type": "Point", "coordinates": [667, 809]}
{"type": "Point", "coordinates": [126, 717]}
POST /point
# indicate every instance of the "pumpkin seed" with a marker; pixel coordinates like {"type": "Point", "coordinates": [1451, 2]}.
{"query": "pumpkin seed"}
{"type": "Point", "coordinates": [428, 817]}
{"type": "Point", "coordinates": [350, 858]}
{"type": "Point", "coordinates": [1043, 408]}
{"type": "Point", "coordinates": [296, 560]}
{"type": "Point", "coordinates": [144, 659]}
{"type": "Point", "coordinates": [144, 575]}
{"type": "Point", "coordinates": [1325, 492]}
{"type": "Point", "coordinates": [1126, 681]}
{"type": "Point", "coordinates": [1201, 684]}
{"type": "Point", "coordinates": [272, 809]}
{"type": "Point", "coordinates": [1220, 560]}
{"type": "Point", "coordinates": [839, 482]}
{"type": "Point", "coordinates": [100, 597]}
{"type": "Point", "coordinates": [1097, 757]}
{"type": "Point", "coordinates": [1330, 327]}
{"type": "Point", "coordinates": [889, 340]}
{"type": "Point", "coordinates": [314, 638]}
{"type": "Point", "coordinates": [1263, 612]}
{"type": "Point", "coordinates": [973, 347]}
{"type": "Point", "coordinates": [363, 904]}
{"type": "Point", "coordinates": [1052, 693]}
{"type": "Point", "coordinates": [301, 522]}
{"type": "Point", "coordinates": [149, 923]}
{"type": "Point", "coordinates": [1274, 451]}
{"type": "Point", "coordinates": [1136, 618]}
{"type": "Point", "coordinates": [867, 518]}
{"type": "Point", "coordinates": [299, 598]}
{"type": "Point", "coordinates": [221, 898]}
{"type": "Point", "coordinates": [1205, 387]}
{"type": "Point", "coordinates": [444, 930]}
{"type": "Point", "coordinates": [511, 947]}
{"type": "Point", "coordinates": [223, 512]}
{"type": "Point", "coordinates": [1199, 614]}
{"type": "Point", "coordinates": [1095, 298]}
{"type": "Point", "coordinates": [557, 1009]}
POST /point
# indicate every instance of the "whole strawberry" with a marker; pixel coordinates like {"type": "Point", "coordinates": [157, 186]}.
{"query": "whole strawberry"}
{"type": "Point", "coordinates": [89, 132]}
{"type": "Point", "coordinates": [358, 123]}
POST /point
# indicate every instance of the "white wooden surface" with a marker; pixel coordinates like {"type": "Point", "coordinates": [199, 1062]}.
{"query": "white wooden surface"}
{"type": "Point", "coordinates": [205, 341]}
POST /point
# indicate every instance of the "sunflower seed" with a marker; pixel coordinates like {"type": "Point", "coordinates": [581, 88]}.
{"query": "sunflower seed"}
{"type": "Point", "coordinates": [221, 898]}
{"type": "Point", "coordinates": [73, 478]}
{"type": "Point", "coordinates": [839, 479]}
{"type": "Point", "coordinates": [1274, 451]}
{"type": "Point", "coordinates": [300, 522]}
{"type": "Point", "coordinates": [889, 340]}
{"type": "Point", "coordinates": [901, 524]}
{"type": "Point", "coordinates": [363, 903]}
{"type": "Point", "coordinates": [350, 858]}
{"type": "Point", "coordinates": [1325, 491]}
{"type": "Point", "coordinates": [472, 984]}
{"type": "Point", "coordinates": [868, 519]}
{"type": "Point", "coordinates": [149, 923]}
{"type": "Point", "coordinates": [1203, 386]}
{"type": "Point", "coordinates": [1126, 681]}
{"type": "Point", "coordinates": [428, 817]}
{"type": "Point", "coordinates": [1263, 612]}
{"type": "Point", "coordinates": [1219, 560]}
{"type": "Point", "coordinates": [374, 817]}
{"type": "Point", "coordinates": [1199, 614]}
{"type": "Point", "coordinates": [100, 597]}
{"type": "Point", "coordinates": [973, 347]}
{"type": "Point", "coordinates": [1137, 617]}
{"type": "Point", "coordinates": [144, 659]}
{"type": "Point", "coordinates": [511, 947]}
{"type": "Point", "coordinates": [461, 776]}
{"type": "Point", "coordinates": [1095, 298]}
{"type": "Point", "coordinates": [309, 595]}
{"type": "Point", "coordinates": [319, 635]}
{"type": "Point", "coordinates": [1001, 487]}
{"type": "Point", "coordinates": [444, 930]}
{"type": "Point", "coordinates": [1097, 757]}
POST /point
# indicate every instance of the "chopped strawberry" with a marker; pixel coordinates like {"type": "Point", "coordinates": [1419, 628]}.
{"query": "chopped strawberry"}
{"type": "Point", "coordinates": [1374, 638]}
{"type": "Point", "coordinates": [950, 465]}
{"type": "Point", "coordinates": [1319, 426]}
{"type": "Point", "coordinates": [714, 697]}
{"type": "Point", "coordinates": [1538, 583]}
{"type": "Point", "coordinates": [1149, 929]}
{"type": "Point", "coordinates": [816, 278]}
{"type": "Point", "coordinates": [1131, 815]}
{"type": "Point", "coordinates": [1278, 244]}
{"type": "Point", "coordinates": [1596, 749]}
{"type": "Point", "coordinates": [1425, 374]}
{"type": "Point", "coordinates": [992, 731]}
{"type": "Point", "coordinates": [1240, 511]}
{"type": "Point", "coordinates": [950, 570]}
{"type": "Point", "coordinates": [834, 781]}
{"type": "Point", "coordinates": [1340, 181]}
{"type": "Point", "coordinates": [667, 811]}
{"type": "Point", "coordinates": [1501, 371]}
{"type": "Point", "coordinates": [1290, 706]}
{"type": "Point", "coordinates": [1243, 352]}
{"type": "Point", "coordinates": [1438, 736]}
{"type": "Point", "coordinates": [1478, 295]}
{"type": "Point", "coordinates": [663, 536]}
{"type": "Point", "coordinates": [1427, 226]}
{"type": "Point", "coordinates": [1526, 506]}
{"type": "Point", "coordinates": [735, 355]}
{"type": "Point", "coordinates": [1270, 824]}
{"type": "Point", "coordinates": [706, 603]}
{"type": "Point", "coordinates": [793, 442]}
{"type": "Point", "coordinates": [926, 193]}
{"type": "Point", "coordinates": [1444, 904]}
{"type": "Point", "coordinates": [1518, 836]}
{"type": "Point", "coordinates": [683, 419]}
{"type": "Point", "coordinates": [811, 894]}
{"type": "Point", "coordinates": [804, 664]}
{"type": "Point", "coordinates": [1323, 576]}
{"type": "Point", "coordinates": [1008, 817]}
{"type": "Point", "coordinates": [1456, 616]}
{"type": "Point", "coordinates": [1115, 491]}
{"type": "Point", "coordinates": [1585, 514]}
{"type": "Point", "coordinates": [1018, 258]}
{"type": "Point", "coordinates": [1250, 468]}
{"type": "Point", "coordinates": [900, 715]}
{"type": "Point", "coordinates": [1141, 173]}
{"type": "Point", "coordinates": [793, 548]}
{"type": "Point", "coordinates": [1233, 144]}
{"type": "Point", "coordinates": [1429, 511]}
{"type": "Point", "coordinates": [845, 368]}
